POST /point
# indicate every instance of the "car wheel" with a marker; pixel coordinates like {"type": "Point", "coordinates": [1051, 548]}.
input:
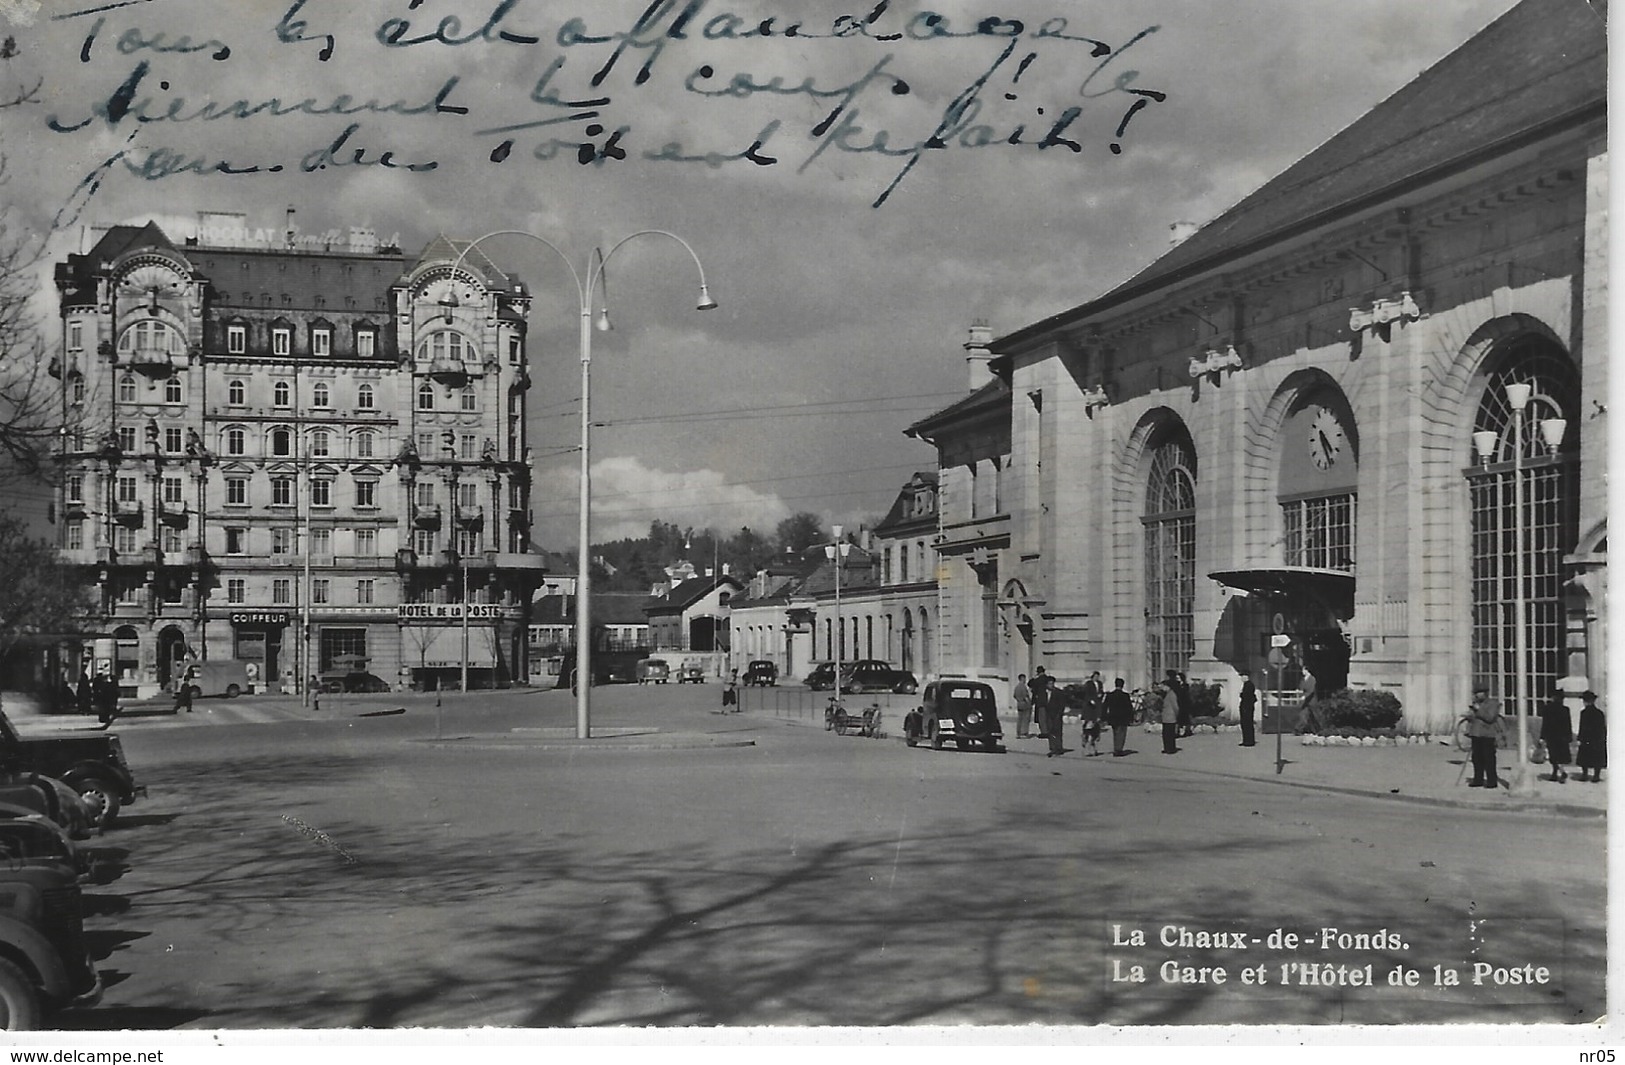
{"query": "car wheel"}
{"type": "Point", "coordinates": [905, 688]}
{"type": "Point", "coordinates": [232, 691]}
{"type": "Point", "coordinates": [102, 800]}
{"type": "Point", "coordinates": [19, 999]}
{"type": "Point", "coordinates": [963, 745]}
{"type": "Point", "coordinates": [195, 692]}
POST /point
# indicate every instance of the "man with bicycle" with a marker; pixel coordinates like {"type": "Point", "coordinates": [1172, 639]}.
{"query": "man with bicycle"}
{"type": "Point", "coordinates": [1483, 726]}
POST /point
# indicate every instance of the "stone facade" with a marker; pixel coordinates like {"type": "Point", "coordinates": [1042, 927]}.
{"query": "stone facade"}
{"type": "Point", "coordinates": [1273, 426]}
{"type": "Point", "coordinates": [288, 454]}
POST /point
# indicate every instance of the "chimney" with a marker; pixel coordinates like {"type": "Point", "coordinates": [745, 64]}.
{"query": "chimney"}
{"type": "Point", "coordinates": [977, 355]}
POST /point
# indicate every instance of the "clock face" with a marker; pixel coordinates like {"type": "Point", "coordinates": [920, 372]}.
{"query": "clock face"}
{"type": "Point", "coordinates": [1327, 441]}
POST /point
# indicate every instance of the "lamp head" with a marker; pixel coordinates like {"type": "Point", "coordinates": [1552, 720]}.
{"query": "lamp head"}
{"type": "Point", "coordinates": [603, 320]}
{"type": "Point", "coordinates": [1518, 395]}
{"type": "Point", "coordinates": [835, 531]}
{"type": "Point", "coordinates": [706, 303]}
{"type": "Point", "coordinates": [448, 304]}
{"type": "Point", "coordinates": [1551, 432]}
{"type": "Point", "coordinates": [1484, 442]}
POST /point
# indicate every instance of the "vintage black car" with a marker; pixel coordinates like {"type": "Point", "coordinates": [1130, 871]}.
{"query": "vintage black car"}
{"type": "Point", "coordinates": [761, 673]}
{"type": "Point", "coordinates": [821, 678]}
{"type": "Point", "coordinates": [961, 712]}
{"type": "Point", "coordinates": [873, 675]}
{"type": "Point", "coordinates": [44, 964]}
{"type": "Point", "coordinates": [92, 765]}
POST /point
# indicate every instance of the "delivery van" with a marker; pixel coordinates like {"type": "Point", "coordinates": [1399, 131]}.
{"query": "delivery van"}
{"type": "Point", "coordinates": [227, 677]}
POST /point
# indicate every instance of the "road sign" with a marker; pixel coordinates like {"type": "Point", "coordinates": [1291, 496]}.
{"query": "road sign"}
{"type": "Point", "coordinates": [1280, 640]}
{"type": "Point", "coordinates": [1277, 658]}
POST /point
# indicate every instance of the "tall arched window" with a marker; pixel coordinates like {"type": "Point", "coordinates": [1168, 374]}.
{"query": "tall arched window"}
{"type": "Point", "coordinates": [321, 443]}
{"type": "Point", "coordinates": [126, 389]}
{"type": "Point", "coordinates": [236, 395]}
{"type": "Point", "coordinates": [1170, 557]}
{"type": "Point", "coordinates": [172, 390]}
{"type": "Point", "coordinates": [364, 445]}
{"type": "Point", "coordinates": [1550, 519]}
{"type": "Point", "coordinates": [319, 395]}
{"type": "Point", "coordinates": [281, 442]}
{"type": "Point", "coordinates": [425, 396]}
{"type": "Point", "coordinates": [282, 395]}
{"type": "Point", "coordinates": [236, 440]}
{"type": "Point", "coordinates": [363, 397]}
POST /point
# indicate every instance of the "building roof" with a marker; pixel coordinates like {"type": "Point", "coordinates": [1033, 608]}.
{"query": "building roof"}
{"type": "Point", "coordinates": [608, 608]}
{"type": "Point", "coordinates": [688, 593]}
{"type": "Point", "coordinates": [901, 515]}
{"type": "Point", "coordinates": [991, 398]}
{"type": "Point", "coordinates": [1538, 69]}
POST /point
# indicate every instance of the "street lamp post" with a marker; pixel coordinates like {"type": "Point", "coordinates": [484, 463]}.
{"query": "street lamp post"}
{"type": "Point", "coordinates": [1486, 442]}
{"type": "Point", "coordinates": [585, 287]}
{"type": "Point", "coordinates": [837, 553]}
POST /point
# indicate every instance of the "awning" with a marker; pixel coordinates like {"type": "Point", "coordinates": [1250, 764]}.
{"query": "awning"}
{"type": "Point", "coordinates": [1328, 585]}
{"type": "Point", "coordinates": [441, 646]}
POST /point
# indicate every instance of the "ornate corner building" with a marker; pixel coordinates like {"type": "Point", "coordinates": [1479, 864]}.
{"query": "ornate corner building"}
{"type": "Point", "coordinates": [1365, 407]}
{"type": "Point", "coordinates": [296, 452]}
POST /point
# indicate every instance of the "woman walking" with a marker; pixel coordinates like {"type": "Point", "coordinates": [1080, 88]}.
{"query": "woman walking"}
{"type": "Point", "coordinates": [1592, 757]}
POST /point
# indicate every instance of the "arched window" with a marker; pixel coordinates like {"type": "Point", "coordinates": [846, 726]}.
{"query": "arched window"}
{"type": "Point", "coordinates": [236, 395]}
{"type": "Point", "coordinates": [365, 444]}
{"type": "Point", "coordinates": [1546, 479]}
{"type": "Point", "coordinates": [172, 390]}
{"type": "Point", "coordinates": [126, 389]}
{"type": "Point", "coordinates": [1170, 556]}
{"type": "Point", "coordinates": [445, 344]}
{"type": "Point", "coordinates": [470, 398]}
{"type": "Point", "coordinates": [236, 441]}
{"type": "Point", "coordinates": [282, 395]}
{"type": "Point", "coordinates": [149, 336]}
{"type": "Point", "coordinates": [321, 443]}
{"type": "Point", "coordinates": [281, 441]}
{"type": "Point", "coordinates": [319, 395]}
{"type": "Point", "coordinates": [363, 397]}
{"type": "Point", "coordinates": [425, 396]}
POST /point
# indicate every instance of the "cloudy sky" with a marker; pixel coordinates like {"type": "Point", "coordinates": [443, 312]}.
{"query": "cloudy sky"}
{"type": "Point", "coordinates": [785, 142]}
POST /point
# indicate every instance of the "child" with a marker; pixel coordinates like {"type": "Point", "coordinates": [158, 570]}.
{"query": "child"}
{"type": "Point", "coordinates": [1592, 757]}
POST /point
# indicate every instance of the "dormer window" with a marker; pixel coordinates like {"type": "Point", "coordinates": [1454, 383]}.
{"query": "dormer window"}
{"type": "Point", "coordinates": [281, 340]}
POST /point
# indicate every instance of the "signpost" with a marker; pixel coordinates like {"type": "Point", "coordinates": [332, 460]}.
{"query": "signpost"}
{"type": "Point", "coordinates": [1277, 660]}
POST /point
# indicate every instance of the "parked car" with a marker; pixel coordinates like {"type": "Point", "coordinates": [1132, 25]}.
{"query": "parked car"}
{"type": "Point", "coordinates": [44, 965]}
{"type": "Point", "coordinates": [821, 678]}
{"type": "Point", "coordinates": [334, 683]}
{"type": "Point", "coordinates": [93, 765]}
{"type": "Point", "coordinates": [962, 712]}
{"type": "Point", "coordinates": [48, 797]}
{"type": "Point", "coordinates": [691, 671]}
{"type": "Point", "coordinates": [762, 673]}
{"type": "Point", "coordinates": [654, 671]}
{"type": "Point", "coordinates": [873, 675]}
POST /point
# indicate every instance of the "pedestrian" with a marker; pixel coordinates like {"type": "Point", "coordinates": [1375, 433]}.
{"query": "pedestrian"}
{"type": "Point", "coordinates": [1090, 701]}
{"type": "Point", "coordinates": [1182, 694]}
{"type": "Point", "coordinates": [1482, 728]}
{"type": "Point", "coordinates": [1249, 703]}
{"type": "Point", "coordinates": [1170, 716]}
{"type": "Point", "coordinates": [105, 694]}
{"type": "Point", "coordinates": [1040, 687]}
{"type": "Point", "coordinates": [1119, 707]}
{"type": "Point", "coordinates": [1048, 704]}
{"type": "Point", "coordinates": [183, 690]}
{"type": "Point", "coordinates": [1557, 733]}
{"type": "Point", "coordinates": [85, 696]}
{"type": "Point", "coordinates": [1592, 755]}
{"type": "Point", "coordinates": [730, 692]}
{"type": "Point", "coordinates": [1022, 696]}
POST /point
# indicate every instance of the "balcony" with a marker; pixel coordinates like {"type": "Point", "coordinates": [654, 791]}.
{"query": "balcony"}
{"type": "Point", "coordinates": [454, 373]}
{"type": "Point", "coordinates": [406, 560]}
{"type": "Point", "coordinates": [175, 514]}
{"type": "Point", "coordinates": [74, 508]}
{"type": "Point", "coordinates": [70, 366]}
{"type": "Point", "coordinates": [128, 512]}
{"type": "Point", "coordinates": [471, 517]}
{"type": "Point", "coordinates": [426, 516]}
{"type": "Point", "coordinates": [150, 362]}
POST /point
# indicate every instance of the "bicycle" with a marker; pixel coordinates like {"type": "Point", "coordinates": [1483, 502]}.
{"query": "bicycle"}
{"type": "Point", "coordinates": [1505, 737]}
